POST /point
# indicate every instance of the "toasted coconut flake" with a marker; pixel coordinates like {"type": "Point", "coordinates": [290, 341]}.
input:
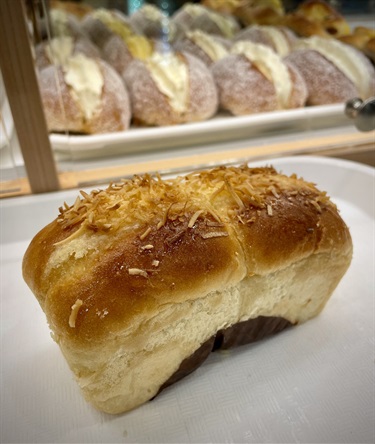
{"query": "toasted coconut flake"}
{"type": "Point", "coordinates": [74, 313]}
{"type": "Point", "coordinates": [269, 210]}
{"type": "Point", "coordinates": [155, 263]}
{"type": "Point", "coordinates": [145, 233]}
{"type": "Point", "coordinates": [217, 191]}
{"type": "Point", "coordinates": [274, 192]}
{"type": "Point", "coordinates": [234, 195]}
{"type": "Point", "coordinates": [212, 234]}
{"type": "Point", "coordinates": [214, 223]}
{"type": "Point", "coordinates": [194, 218]}
{"type": "Point", "coordinates": [137, 272]}
{"type": "Point", "coordinates": [147, 247]}
{"type": "Point", "coordinates": [316, 206]}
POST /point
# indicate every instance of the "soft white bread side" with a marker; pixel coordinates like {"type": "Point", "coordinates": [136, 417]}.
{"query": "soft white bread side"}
{"type": "Point", "coordinates": [137, 278]}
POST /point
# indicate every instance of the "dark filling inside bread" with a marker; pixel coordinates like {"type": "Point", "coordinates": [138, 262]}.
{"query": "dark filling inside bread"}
{"type": "Point", "coordinates": [238, 334]}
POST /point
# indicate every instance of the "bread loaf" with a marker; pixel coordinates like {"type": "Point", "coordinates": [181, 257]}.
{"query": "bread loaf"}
{"type": "Point", "coordinates": [140, 281]}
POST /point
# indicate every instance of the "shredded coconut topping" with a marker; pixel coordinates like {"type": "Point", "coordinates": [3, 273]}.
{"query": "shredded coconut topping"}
{"type": "Point", "coordinates": [74, 313]}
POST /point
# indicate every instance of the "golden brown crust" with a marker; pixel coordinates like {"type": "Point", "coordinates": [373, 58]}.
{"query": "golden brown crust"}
{"type": "Point", "coordinates": [170, 242]}
{"type": "Point", "coordinates": [317, 17]}
{"type": "Point", "coordinates": [134, 279]}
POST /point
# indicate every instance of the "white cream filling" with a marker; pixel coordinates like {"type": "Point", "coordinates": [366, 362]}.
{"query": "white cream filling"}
{"type": "Point", "coordinates": [171, 76]}
{"type": "Point", "coordinates": [270, 65]}
{"type": "Point", "coordinates": [346, 60]}
{"type": "Point", "coordinates": [209, 45]}
{"type": "Point", "coordinates": [59, 50]}
{"type": "Point", "coordinates": [222, 23]}
{"type": "Point", "coordinates": [85, 78]}
{"type": "Point", "coordinates": [59, 23]}
{"type": "Point", "coordinates": [278, 39]}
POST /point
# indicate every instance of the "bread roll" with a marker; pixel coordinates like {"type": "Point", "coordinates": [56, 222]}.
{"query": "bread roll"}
{"type": "Point", "coordinates": [58, 50]}
{"type": "Point", "coordinates": [139, 282]}
{"type": "Point", "coordinates": [207, 47]}
{"type": "Point", "coordinates": [193, 16]}
{"type": "Point", "coordinates": [278, 38]}
{"type": "Point", "coordinates": [253, 79]}
{"type": "Point", "coordinates": [261, 12]}
{"type": "Point", "coordinates": [333, 71]}
{"type": "Point", "coordinates": [171, 88]}
{"type": "Point", "coordinates": [317, 17]}
{"type": "Point", "coordinates": [84, 96]}
{"type": "Point", "coordinates": [155, 24]}
{"type": "Point", "coordinates": [102, 24]}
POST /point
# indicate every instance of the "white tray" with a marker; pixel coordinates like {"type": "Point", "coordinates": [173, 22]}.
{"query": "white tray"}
{"type": "Point", "coordinates": [218, 129]}
{"type": "Point", "coordinates": [312, 383]}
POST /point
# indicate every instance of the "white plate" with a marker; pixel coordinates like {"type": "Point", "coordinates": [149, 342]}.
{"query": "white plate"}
{"type": "Point", "coordinates": [218, 129]}
{"type": "Point", "coordinates": [312, 383]}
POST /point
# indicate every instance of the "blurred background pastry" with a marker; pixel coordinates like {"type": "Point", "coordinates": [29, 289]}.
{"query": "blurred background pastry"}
{"type": "Point", "coordinates": [155, 24]}
{"type": "Point", "coordinates": [317, 17]}
{"type": "Point", "coordinates": [89, 97]}
{"type": "Point", "coordinates": [254, 79]}
{"type": "Point", "coordinates": [59, 49]}
{"type": "Point", "coordinates": [334, 72]}
{"type": "Point", "coordinates": [207, 47]}
{"type": "Point", "coordinates": [194, 16]}
{"type": "Point", "coordinates": [278, 38]}
{"type": "Point", "coordinates": [171, 88]}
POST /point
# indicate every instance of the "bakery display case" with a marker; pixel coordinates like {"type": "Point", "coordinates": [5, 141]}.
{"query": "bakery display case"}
{"type": "Point", "coordinates": [64, 145]}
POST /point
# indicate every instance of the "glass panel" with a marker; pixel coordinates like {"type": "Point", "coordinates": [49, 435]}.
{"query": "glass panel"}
{"type": "Point", "coordinates": [112, 110]}
{"type": "Point", "coordinates": [13, 178]}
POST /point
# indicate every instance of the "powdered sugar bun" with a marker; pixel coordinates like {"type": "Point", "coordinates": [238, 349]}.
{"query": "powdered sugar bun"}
{"type": "Point", "coordinates": [206, 47]}
{"type": "Point", "coordinates": [171, 89]}
{"type": "Point", "coordinates": [59, 49]}
{"type": "Point", "coordinates": [255, 79]}
{"type": "Point", "coordinates": [195, 16]}
{"type": "Point", "coordinates": [334, 72]}
{"type": "Point", "coordinates": [90, 97]}
{"type": "Point", "coordinates": [155, 24]}
{"type": "Point", "coordinates": [65, 24]}
{"type": "Point", "coordinates": [278, 38]}
{"type": "Point", "coordinates": [102, 24]}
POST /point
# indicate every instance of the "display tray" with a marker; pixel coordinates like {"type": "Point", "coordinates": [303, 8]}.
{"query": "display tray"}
{"type": "Point", "coordinates": [218, 129]}
{"type": "Point", "coordinates": [310, 384]}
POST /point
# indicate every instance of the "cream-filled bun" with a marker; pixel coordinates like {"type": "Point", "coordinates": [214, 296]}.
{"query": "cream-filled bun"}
{"type": "Point", "coordinates": [64, 24]}
{"type": "Point", "coordinates": [195, 16]}
{"type": "Point", "coordinates": [155, 24]}
{"type": "Point", "coordinates": [207, 47]}
{"type": "Point", "coordinates": [58, 50]}
{"type": "Point", "coordinates": [334, 72]}
{"type": "Point", "coordinates": [102, 24]}
{"type": "Point", "coordinates": [90, 97]}
{"type": "Point", "coordinates": [171, 88]}
{"type": "Point", "coordinates": [278, 38]}
{"type": "Point", "coordinates": [253, 79]}
{"type": "Point", "coordinates": [119, 39]}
